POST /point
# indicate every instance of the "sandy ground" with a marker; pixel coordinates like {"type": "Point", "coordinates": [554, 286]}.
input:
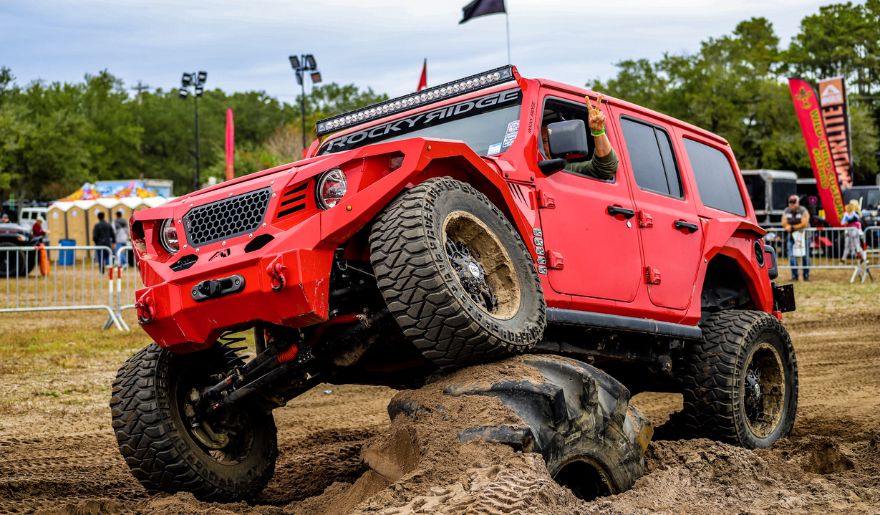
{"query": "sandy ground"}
{"type": "Point", "coordinates": [58, 454]}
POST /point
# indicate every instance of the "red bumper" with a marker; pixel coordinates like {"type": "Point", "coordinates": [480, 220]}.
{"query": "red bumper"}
{"type": "Point", "coordinates": [289, 288]}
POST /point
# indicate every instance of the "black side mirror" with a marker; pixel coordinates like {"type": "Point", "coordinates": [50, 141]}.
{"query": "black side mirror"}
{"type": "Point", "coordinates": [548, 166]}
{"type": "Point", "coordinates": [567, 138]}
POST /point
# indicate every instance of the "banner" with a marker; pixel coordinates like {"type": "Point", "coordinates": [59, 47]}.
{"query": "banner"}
{"type": "Point", "coordinates": [230, 145]}
{"type": "Point", "coordinates": [806, 105]}
{"type": "Point", "coordinates": [832, 95]}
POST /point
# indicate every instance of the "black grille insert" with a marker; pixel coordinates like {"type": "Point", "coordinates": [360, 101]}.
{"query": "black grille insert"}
{"type": "Point", "coordinates": [183, 263]}
{"type": "Point", "coordinates": [226, 218]}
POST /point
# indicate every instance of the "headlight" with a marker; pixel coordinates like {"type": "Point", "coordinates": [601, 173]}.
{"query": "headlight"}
{"type": "Point", "coordinates": [331, 188]}
{"type": "Point", "coordinates": [168, 236]}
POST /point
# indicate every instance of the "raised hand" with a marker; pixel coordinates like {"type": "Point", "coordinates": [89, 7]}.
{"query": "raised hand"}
{"type": "Point", "coordinates": [596, 118]}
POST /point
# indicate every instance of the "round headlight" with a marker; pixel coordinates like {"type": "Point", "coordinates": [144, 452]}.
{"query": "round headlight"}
{"type": "Point", "coordinates": [168, 236]}
{"type": "Point", "coordinates": [331, 188]}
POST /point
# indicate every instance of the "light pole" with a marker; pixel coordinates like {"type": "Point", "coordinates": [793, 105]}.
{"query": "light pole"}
{"type": "Point", "coordinates": [196, 81]}
{"type": "Point", "coordinates": [300, 65]}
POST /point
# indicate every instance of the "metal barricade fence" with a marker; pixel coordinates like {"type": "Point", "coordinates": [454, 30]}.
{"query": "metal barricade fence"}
{"type": "Point", "coordinates": [56, 278]}
{"type": "Point", "coordinates": [840, 248]}
{"type": "Point", "coordinates": [127, 280]}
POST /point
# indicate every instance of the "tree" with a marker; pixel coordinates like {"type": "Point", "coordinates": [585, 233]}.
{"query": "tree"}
{"type": "Point", "coordinates": [736, 86]}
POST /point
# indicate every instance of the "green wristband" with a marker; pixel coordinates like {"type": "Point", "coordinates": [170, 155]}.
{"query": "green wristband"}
{"type": "Point", "coordinates": [598, 133]}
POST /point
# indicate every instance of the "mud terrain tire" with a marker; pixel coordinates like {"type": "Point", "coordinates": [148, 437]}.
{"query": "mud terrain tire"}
{"type": "Point", "coordinates": [452, 317]}
{"type": "Point", "coordinates": [741, 380]}
{"type": "Point", "coordinates": [578, 418]}
{"type": "Point", "coordinates": [156, 443]}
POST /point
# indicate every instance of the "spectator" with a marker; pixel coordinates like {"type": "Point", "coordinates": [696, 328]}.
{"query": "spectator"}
{"type": "Point", "coordinates": [37, 229]}
{"type": "Point", "coordinates": [4, 219]}
{"type": "Point", "coordinates": [852, 220]}
{"type": "Point", "coordinates": [120, 227]}
{"type": "Point", "coordinates": [103, 236]}
{"type": "Point", "coordinates": [795, 219]}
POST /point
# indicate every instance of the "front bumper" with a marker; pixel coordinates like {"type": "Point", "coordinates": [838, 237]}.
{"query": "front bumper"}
{"type": "Point", "coordinates": [289, 288]}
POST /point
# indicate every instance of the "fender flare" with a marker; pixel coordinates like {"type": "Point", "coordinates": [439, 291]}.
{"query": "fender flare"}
{"type": "Point", "coordinates": [423, 159]}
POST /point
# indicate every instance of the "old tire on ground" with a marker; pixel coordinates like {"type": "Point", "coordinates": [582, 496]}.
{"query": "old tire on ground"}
{"type": "Point", "coordinates": [741, 380]}
{"type": "Point", "coordinates": [231, 459]}
{"type": "Point", "coordinates": [578, 418]}
{"type": "Point", "coordinates": [456, 275]}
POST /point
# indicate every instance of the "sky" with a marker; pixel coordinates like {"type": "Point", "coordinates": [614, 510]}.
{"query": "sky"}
{"type": "Point", "coordinates": [243, 45]}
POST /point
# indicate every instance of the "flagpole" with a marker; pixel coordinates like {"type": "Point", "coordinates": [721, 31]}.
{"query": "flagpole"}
{"type": "Point", "coordinates": [507, 22]}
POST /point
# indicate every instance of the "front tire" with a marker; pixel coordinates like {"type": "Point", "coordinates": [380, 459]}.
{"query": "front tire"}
{"type": "Point", "coordinates": [741, 381]}
{"type": "Point", "coordinates": [229, 457]}
{"type": "Point", "coordinates": [456, 275]}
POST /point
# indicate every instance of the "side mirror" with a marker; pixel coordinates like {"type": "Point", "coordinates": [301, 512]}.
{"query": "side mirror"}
{"type": "Point", "coordinates": [548, 166]}
{"type": "Point", "coordinates": [567, 138]}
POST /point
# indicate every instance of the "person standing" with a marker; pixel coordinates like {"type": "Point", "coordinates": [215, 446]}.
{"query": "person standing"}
{"type": "Point", "coordinates": [852, 220]}
{"type": "Point", "coordinates": [103, 236]}
{"type": "Point", "coordinates": [120, 227]}
{"type": "Point", "coordinates": [795, 219]}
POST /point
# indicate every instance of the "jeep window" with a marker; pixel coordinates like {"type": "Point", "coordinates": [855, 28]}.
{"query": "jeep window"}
{"type": "Point", "coordinates": [652, 158]}
{"type": "Point", "coordinates": [716, 181]}
{"type": "Point", "coordinates": [488, 124]}
{"type": "Point", "coordinates": [558, 110]}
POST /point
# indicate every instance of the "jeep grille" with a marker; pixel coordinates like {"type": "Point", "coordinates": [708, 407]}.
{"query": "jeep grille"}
{"type": "Point", "coordinates": [226, 218]}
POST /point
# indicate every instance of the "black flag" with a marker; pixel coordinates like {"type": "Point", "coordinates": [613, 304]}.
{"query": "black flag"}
{"type": "Point", "coordinates": [481, 8]}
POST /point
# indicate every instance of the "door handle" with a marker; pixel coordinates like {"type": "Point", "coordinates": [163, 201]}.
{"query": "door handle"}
{"type": "Point", "coordinates": [683, 224]}
{"type": "Point", "coordinates": [618, 210]}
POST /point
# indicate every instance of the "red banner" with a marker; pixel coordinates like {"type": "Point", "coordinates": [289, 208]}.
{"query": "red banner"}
{"type": "Point", "coordinates": [806, 105]}
{"type": "Point", "coordinates": [230, 145]}
{"type": "Point", "coordinates": [832, 96]}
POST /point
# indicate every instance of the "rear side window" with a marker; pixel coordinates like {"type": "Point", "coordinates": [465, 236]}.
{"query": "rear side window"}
{"type": "Point", "coordinates": [715, 177]}
{"type": "Point", "coordinates": [650, 153]}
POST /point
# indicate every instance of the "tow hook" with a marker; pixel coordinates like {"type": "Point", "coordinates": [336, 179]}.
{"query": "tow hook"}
{"type": "Point", "coordinates": [145, 310]}
{"type": "Point", "coordinates": [276, 274]}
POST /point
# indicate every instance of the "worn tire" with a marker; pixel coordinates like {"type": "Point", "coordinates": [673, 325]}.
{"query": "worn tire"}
{"type": "Point", "coordinates": [423, 291]}
{"type": "Point", "coordinates": [578, 418]}
{"type": "Point", "coordinates": [717, 388]}
{"type": "Point", "coordinates": [156, 444]}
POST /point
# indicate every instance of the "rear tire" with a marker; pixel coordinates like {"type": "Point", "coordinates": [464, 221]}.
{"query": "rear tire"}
{"type": "Point", "coordinates": [164, 453]}
{"type": "Point", "coordinates": [456, 275]}
{"type": "Point", "coordinates": [741, 380]}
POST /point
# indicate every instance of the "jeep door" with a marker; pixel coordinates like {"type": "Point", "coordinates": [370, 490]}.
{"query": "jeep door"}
{"type": "Point", "coordinates": [670, 230]}
{"type": "Point", "coordinates": [589, 251]}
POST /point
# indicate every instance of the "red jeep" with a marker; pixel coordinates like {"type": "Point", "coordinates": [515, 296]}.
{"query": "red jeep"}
{"type": "Point", "coordinates": [432, 231]}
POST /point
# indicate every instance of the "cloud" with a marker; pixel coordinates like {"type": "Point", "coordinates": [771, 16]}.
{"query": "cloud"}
{"type": "Point", "coordinates": [380, 44]}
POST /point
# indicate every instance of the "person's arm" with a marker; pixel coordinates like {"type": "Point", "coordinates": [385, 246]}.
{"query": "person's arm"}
{"type": "Point", "coordinates": [785, 225]}
{"type": "Point", "coordinates": [600, 167]}
{"type": "Point", "coordinates": [805, 219]}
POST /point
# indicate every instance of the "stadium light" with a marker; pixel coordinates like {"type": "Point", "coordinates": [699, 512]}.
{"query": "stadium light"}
{"type": "Point", "coordinates": [302, 64]}
{"type": "Point", "coordinates": [196, 81]}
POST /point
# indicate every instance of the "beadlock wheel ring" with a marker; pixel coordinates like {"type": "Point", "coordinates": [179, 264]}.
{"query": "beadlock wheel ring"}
{"type": "Point", "coordinates": [763, 390]}
{"type": "Point", "coordinates": [494, 266]}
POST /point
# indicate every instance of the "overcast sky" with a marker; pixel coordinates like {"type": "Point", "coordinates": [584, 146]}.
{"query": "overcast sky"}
{"type": "Point", "coordinates": [243, 45]}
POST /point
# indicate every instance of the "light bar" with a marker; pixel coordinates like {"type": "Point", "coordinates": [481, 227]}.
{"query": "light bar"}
{"type": "Point", "coordinates": [406, 102]}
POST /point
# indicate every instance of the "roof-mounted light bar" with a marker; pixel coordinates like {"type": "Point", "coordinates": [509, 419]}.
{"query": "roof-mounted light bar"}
{"type": "Point", "coordinates": [425, 96]}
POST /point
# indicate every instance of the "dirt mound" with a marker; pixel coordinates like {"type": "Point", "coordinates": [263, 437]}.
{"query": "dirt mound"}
{"type": "Point", "coordinates": [422, 466]}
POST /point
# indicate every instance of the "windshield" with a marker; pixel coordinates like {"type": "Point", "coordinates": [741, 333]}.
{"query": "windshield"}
{"type": "Point", "coordinates": [487, 124]}
{"type": "Point", "coordinates": [870, 197]}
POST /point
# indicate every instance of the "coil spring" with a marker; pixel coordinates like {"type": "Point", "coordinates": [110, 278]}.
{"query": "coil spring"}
{"type": "Point", "coordinates": [230, 352]}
